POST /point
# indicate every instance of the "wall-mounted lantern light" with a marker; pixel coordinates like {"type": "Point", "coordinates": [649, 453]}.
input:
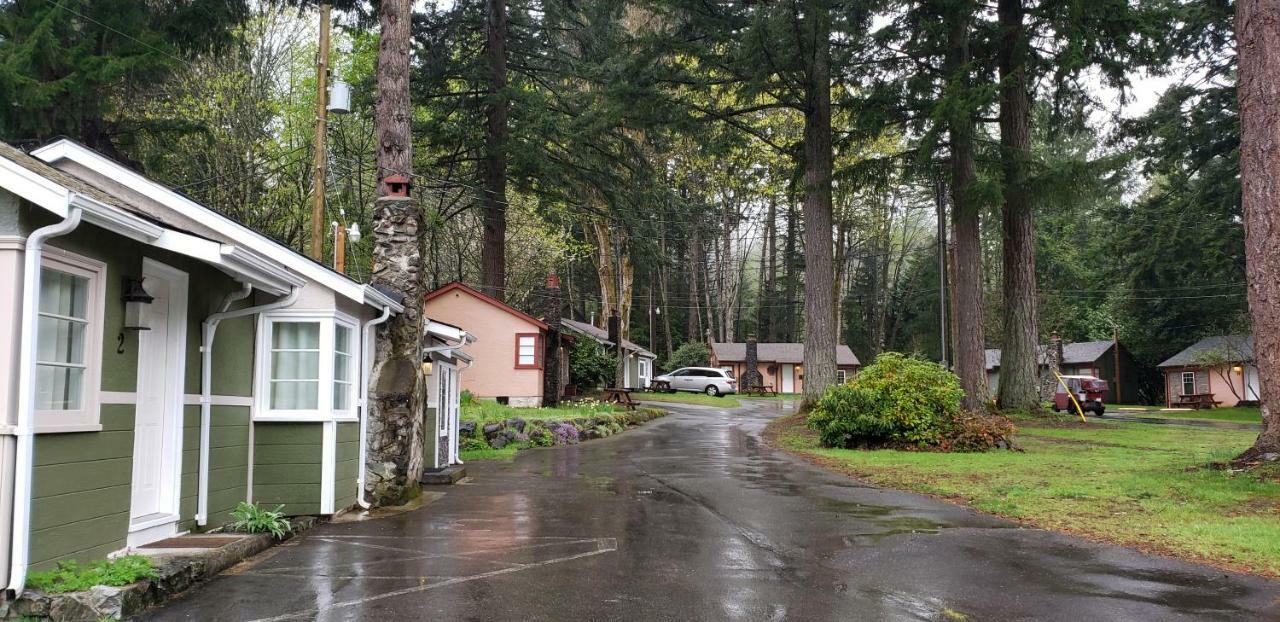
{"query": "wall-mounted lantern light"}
{"type": "Point", "coordinates": [134, 295]}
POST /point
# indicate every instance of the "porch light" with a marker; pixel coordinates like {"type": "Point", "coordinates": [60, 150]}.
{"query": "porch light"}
{"type": "Point", "coordinates": [1239, 369]}
{"type": "Point", "coordinates": [134, 295]}
{"type": "Point", "coordinates": [426, 368]}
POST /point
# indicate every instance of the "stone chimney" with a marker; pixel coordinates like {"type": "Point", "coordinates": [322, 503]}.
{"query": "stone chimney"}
{"type": "Point", "coordinates": [615, 335]}
{"type": "Point", "coordinates": [749, 374]}
{"type": "Point", "coordinates": [552, 382]}
{"type": "Point", "coordinates": [1053, 366]}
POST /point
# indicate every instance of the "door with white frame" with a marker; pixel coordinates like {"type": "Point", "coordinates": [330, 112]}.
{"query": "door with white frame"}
{"type": "Point", "coordinates": [157, 430]}
{"type": "Point", "coordinates": [447, 415]}
{"type": "Point", "coordinates": [787, 378]}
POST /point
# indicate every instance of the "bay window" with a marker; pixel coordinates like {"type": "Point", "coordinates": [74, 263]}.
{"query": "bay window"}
{"type": "Point", "coordinates": [306, 366]}
{"type": "Point", "coordinates": [68, 342]}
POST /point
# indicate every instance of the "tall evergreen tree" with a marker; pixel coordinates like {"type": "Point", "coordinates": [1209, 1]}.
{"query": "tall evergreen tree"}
{"type": "Point", "coordinates": [69, 67]}
{"type": "Point", "coordinates": [1258, 45]}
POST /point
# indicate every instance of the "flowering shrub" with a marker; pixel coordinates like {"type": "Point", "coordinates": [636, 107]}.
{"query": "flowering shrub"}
{"type": "Point", "coordinates": [564, 434]}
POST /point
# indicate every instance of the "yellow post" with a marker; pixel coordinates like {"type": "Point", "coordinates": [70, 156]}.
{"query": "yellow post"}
{"type": "Point", "coordinates": [1071, 395]}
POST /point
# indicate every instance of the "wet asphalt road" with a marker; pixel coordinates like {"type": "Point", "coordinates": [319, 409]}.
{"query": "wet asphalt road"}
{"type": "Point", "coordinates": [691, 517]}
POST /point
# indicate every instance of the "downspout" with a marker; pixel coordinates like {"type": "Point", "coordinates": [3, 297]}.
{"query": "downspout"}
{"type": "Point", "coordinates": [20, 548]}
{"type": "Point", "coordinates": [207, 331]}
{"type": "Point", "coordinates": [363, 401]}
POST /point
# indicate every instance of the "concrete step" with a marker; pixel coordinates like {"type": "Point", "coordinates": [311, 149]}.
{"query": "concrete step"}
{"type": "Point", "coordinates": [447, 475]}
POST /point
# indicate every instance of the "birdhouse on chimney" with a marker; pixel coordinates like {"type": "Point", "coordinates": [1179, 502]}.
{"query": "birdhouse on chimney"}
{"type": "Point", "coordinates": [397, 185]}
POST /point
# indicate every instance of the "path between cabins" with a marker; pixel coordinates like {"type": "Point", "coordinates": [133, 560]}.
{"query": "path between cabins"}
{"type": "Point", "coordinates": [693, 517]}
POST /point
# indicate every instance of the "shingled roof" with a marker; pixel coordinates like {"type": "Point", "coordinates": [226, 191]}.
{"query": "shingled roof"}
{"type": "Point", "coordinates": [1236, 349]}
{"type": "Point", "coordinates": [776, 353]}
{"type": "Point", "coordinates": [1072, 353]}
{"type": "Point", "coordinates": [601, 335]}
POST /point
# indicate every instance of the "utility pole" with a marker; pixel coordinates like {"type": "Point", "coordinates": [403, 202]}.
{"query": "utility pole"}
{"type": "Point", "coordinates": [322, 121]}
{"type": "Point", "coordinates": [1115, 348]}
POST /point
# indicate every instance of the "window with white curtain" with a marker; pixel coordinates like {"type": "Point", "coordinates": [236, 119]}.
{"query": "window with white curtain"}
{"type": "Point", "coordinates": [295, 365]}
{"type": "Point", "coordinates": [68, 341]}
{"type": "Point", "coordinates": [307, 366]}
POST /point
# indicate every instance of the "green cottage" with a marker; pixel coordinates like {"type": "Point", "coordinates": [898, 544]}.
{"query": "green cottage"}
{"type": "Point", "coordinates": [160, 363]}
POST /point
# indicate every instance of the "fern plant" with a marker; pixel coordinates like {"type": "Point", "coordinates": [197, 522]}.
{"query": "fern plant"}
{"type": "Point", "coordinates": [249, 518]}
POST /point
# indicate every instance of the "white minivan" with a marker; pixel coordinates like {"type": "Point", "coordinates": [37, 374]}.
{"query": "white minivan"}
{"type": "Point", "coordinates": [707, 380]}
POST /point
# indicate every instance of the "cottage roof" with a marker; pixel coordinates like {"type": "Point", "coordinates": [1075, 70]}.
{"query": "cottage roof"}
{"type": "Point", "coordinates": [1072, 353]}
{"type": "Point", "coordinates": [243, 249]}
{"type": "Point", "coordinates": [602, 336]}
{"type": "Point", "coordinates": [482, 297]}
{"type": "Point", "coordinates": [776, 353]}
{"type": "Point", "coordinates": [1234, 348]}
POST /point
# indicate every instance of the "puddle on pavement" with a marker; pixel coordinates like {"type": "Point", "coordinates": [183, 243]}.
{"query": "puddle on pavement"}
{"type": "Point", "coordinates": [879, 516]}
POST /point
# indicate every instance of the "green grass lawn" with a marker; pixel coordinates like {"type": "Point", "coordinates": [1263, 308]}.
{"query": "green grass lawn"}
{"type": "Point", "coordinates": [1130, 483]}
{"type": "Point", "coordinates": [507, 453]}
{"type": "Point", "coordinates": [686, 397]}
{"type": "Point", "coordinates": [489, 411]}
{"type": "Point", "coordinates": [1234, 414]}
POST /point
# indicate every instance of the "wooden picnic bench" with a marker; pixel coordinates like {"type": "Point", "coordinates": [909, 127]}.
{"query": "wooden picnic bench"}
{"type": "Point", "coordinates": [660, 386]}
{"type": "Point", "coordinates": [760, 389]}
{"type": "Point", "coordinates": [1196, 401]}
{"type": "Point", "coordinates": [621, 397]}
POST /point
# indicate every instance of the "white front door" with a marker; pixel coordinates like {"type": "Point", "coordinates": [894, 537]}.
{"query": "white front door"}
{"type": "Point", "coordinates": [447, 415]}
{"type": "Point", "coordinates": [157, 440]}
{"type": "Point", "coordinates": [787, 378]}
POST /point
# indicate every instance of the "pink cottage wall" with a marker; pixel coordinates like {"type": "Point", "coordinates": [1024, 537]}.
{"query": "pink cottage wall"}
{"type": "Point", "coordinates": [493, 374]}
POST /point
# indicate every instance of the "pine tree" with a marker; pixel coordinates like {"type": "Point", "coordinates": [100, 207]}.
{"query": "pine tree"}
{"type": "Point", "coordinates": [70, 67]}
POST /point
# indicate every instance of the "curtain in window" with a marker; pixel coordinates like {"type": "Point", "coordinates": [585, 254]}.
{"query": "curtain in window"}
{"type": "Point", "coordinates": [295, 365]}
{"type": "Point", "coordinates": [62, 329]}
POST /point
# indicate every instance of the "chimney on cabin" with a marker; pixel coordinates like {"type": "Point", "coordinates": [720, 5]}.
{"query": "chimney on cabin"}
{"type": "Point", "coordinates": [552, 382]}
{"type": "Point", "coordinates": [748, 378]}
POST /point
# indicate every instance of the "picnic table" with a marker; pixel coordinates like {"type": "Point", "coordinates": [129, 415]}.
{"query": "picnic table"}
{"type": "Point", "coordinates": [660, 386]}
{"type": "Point", "coordinates": [621, 397]}
{"type": "Point", "coordinates": [760, 389]}
{"type": "Point", "coordinates": [1196, 400]}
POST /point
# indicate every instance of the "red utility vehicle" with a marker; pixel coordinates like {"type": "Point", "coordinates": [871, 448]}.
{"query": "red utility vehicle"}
{"type": "Point", "coordinates": [1089, 391]}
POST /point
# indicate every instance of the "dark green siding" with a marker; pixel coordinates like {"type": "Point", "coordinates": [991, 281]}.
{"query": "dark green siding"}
{"type": "Point", "coordinates": [286, 466]}
{"type": "Point", "coordinates": [228, 463]}
{"type": "Point", "coordinates": [80, 495]}
{"type": "Point", "coordinates": [347, 467]}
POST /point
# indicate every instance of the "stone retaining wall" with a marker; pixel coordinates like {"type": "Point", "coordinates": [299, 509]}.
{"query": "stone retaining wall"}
{"type": "Point", "coordinates": [546, 432]}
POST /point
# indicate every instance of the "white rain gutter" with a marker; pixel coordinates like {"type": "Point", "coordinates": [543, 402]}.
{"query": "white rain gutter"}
{"type": "Point", "coordinates": [20, 548]}
{"type": "Point", "coordinates": [363, 401]}
{"type": "Point", "coordinates": [208, 329]}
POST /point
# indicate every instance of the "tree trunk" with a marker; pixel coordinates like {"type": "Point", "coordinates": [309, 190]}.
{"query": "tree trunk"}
{"type": "Point", "coordinates": [493, 201]}
{"type": "Point", "coordinates": [965, 215]}
{"type": "Point", "coordinates": [767, 301]}
{"type": "Point", "coordinates": [1019, 385]}
{"type": "Point", "coordinates": [1258, 45]}
{"type": "Point", "coordinates": [696, 263]}
{"type": "Point", "coordinates": [397, 386]}
{"type": "Point", "coordinates": [788, 332]}
{"type": "Point", "coordinates": [819, 309]}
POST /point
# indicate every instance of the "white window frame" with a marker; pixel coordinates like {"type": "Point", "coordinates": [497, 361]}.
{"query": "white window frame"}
{"type": "Point", "coordinates": [841, 376]}
{"type": "Point", "coordinates": [88, 418]}
{"type": "Point", "coordinates": [1195, 385]}
{"type": "Point", "coordinates": [324, 411]}
{"type": "Point", "coordinates": [352, 382]}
